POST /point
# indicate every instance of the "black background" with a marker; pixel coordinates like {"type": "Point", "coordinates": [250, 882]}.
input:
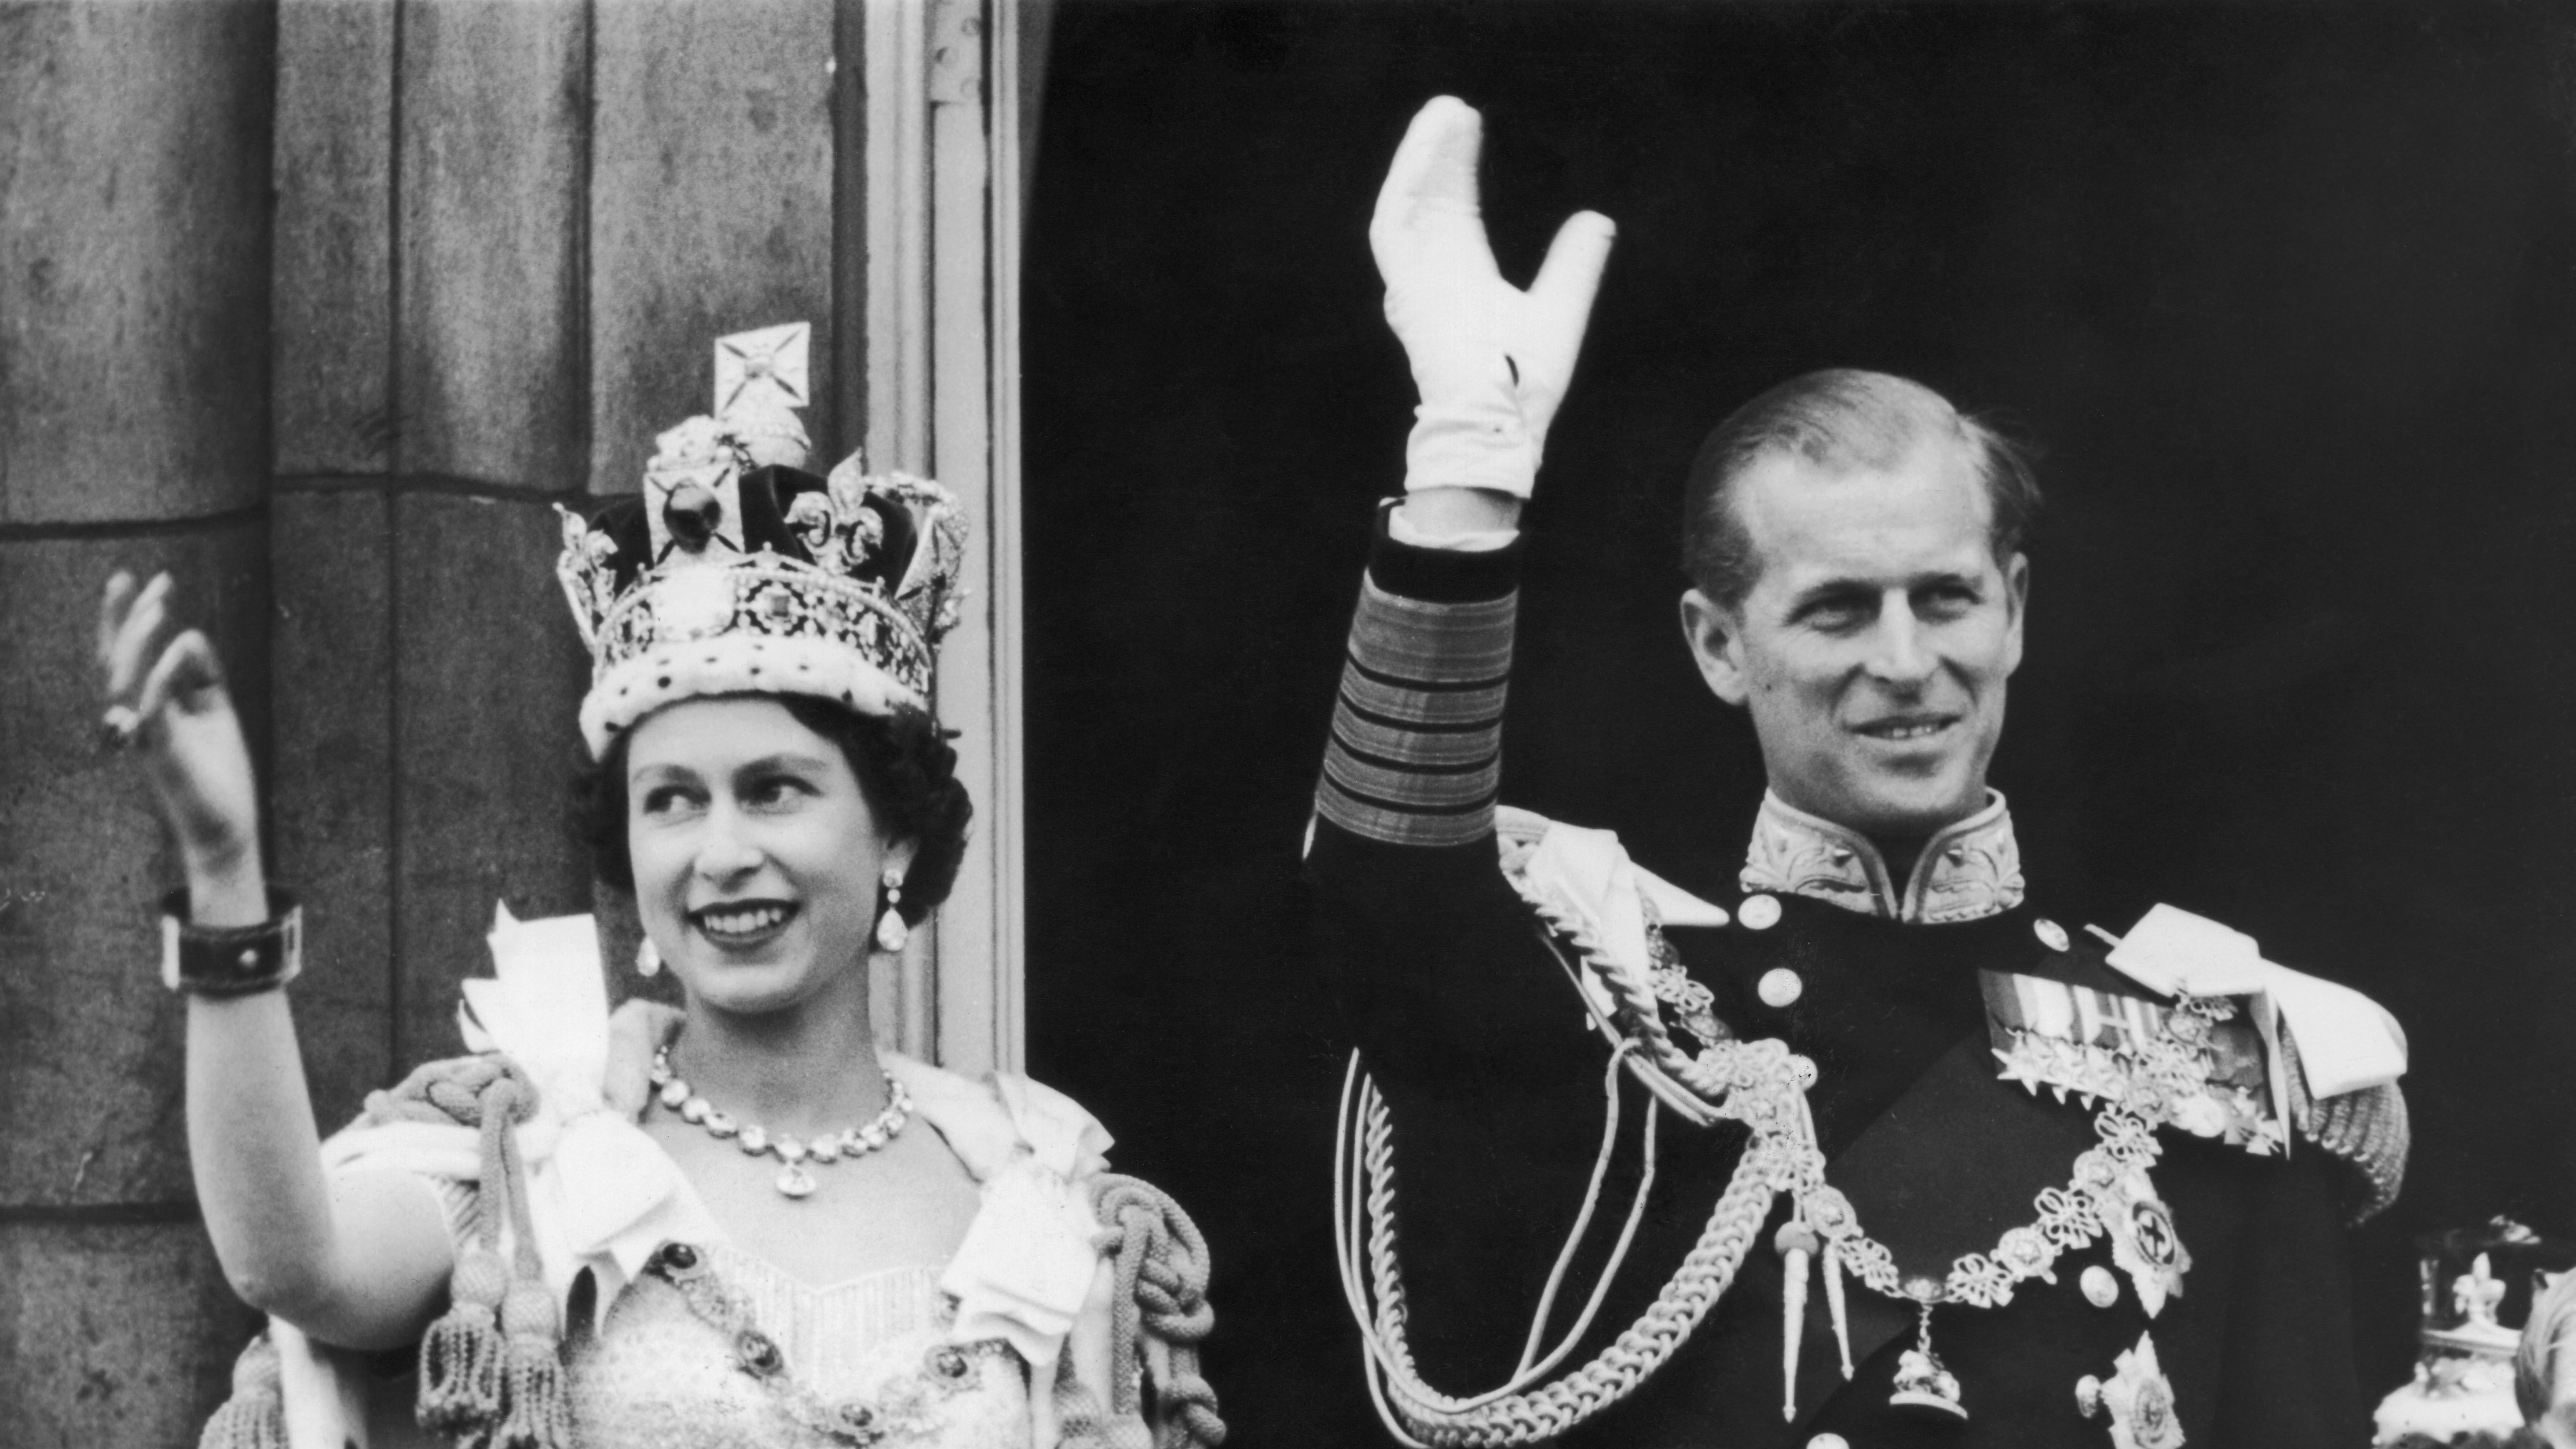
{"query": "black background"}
{"type": "Point", "coordinates": [2283, 292]}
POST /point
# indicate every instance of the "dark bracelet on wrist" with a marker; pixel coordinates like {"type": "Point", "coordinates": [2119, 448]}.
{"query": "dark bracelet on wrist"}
{"type": "Point", "coordinates": [231, 960]}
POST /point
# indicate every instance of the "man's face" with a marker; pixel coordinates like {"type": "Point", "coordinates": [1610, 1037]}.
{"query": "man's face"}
{"type": "Point", "coordinates": [1873, 648]}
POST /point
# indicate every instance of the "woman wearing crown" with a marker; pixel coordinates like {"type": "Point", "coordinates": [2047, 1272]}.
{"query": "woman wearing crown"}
{"type": "Point", "coordinates": [736, 1226]}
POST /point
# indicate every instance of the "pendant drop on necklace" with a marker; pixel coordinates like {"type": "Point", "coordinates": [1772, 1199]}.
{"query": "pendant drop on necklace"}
{"type": "Point", "coordinates": [1923, 1385]}
{"type": "Point", "coordinates": [755, 1141]}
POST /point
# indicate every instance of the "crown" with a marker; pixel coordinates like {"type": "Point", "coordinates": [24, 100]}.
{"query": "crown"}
{"type": "Point", "coordinates": [738, 572]}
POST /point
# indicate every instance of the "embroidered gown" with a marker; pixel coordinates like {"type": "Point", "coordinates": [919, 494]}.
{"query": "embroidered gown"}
{"type": "Point", "coordinates": [676, 1339]}
{"type": "Point", "coordinates": [712, 1348]}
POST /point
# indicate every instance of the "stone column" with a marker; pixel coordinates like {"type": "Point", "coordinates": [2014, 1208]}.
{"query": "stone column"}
{"type": "Point", "coordinates": [134, 433]}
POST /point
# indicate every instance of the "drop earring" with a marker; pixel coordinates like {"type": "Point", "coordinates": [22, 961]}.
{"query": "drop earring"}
{"type": "Point", "coordinates": [891, 930]}
{"type": "Point", "coordinates": [648, 962]}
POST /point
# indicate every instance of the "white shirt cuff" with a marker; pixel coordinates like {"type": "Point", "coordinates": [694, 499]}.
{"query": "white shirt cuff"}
{"type": "Point", "coordinates": [1483, 540]}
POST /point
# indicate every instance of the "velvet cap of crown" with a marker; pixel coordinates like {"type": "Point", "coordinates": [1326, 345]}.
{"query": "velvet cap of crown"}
{"type": "Point", "coordinates": [738, 572]}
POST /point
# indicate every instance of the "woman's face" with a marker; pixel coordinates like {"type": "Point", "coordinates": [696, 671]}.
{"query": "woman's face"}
{"type": "Point", "coordinates": [756, 857]}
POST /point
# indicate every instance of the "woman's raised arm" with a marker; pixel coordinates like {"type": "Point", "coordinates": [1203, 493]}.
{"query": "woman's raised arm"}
{"type": "Point", "coordinates": [358, 1259]}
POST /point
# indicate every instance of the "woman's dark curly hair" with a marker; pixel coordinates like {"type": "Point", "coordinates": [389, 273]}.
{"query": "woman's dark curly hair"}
{"type": "Point", "coordinates": [907, 773]}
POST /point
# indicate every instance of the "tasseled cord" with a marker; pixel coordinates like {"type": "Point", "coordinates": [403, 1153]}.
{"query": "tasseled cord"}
{"type": "Point", "coordinates": [1161, 1267]}
{"type": "Point", "coordinates": [255, 1416]}
{"type": "Point", "coordinates": [1798, 1245]}
{"type": "Point", "coordinates": [491, 1367]}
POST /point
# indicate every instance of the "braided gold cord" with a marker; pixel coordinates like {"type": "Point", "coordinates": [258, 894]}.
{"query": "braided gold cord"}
{"type": "Point", "coordinates": [1161, 1269]}
{"type": "Point", "coordinates": [1758, 1083]}
{"type": "Point", "coordinates": [1448, 1422]}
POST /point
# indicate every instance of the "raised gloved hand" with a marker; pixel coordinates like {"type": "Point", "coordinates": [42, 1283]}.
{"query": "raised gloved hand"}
{"type": "Point", "coordinates": [1490, 361]}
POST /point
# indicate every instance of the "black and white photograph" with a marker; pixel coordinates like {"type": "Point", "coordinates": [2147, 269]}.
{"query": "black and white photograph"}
{"type": "Point", "coordinates": [1157, 724]}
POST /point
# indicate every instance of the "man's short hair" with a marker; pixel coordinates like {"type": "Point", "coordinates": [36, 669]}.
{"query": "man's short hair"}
{"type": "Point", "coordinates": [1840, 420]}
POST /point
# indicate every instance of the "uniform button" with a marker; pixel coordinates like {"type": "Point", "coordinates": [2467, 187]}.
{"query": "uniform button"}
{"type": "Point", "coordinates": [1759, 913]}
{"type": "Point", "coordinates": [2050, 934]}
{"type": "Point", "coordinates": [1829, 1441]}
{"type": "Point", "coordinates": [2088, 1396]}
{"type": "Point", "coordinates": [2101, 1289]}
{"type": "Point", "coordinates": [1780, 986]}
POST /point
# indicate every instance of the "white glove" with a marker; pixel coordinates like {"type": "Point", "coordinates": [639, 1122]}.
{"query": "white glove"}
{"type": "Point", "coordinates": [1490, 362]}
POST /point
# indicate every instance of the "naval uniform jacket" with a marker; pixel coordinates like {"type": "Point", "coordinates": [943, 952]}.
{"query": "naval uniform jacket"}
{"type": "Point", "coordinates": [1493, 1074]}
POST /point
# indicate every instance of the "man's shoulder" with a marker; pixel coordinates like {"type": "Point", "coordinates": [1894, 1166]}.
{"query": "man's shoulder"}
{"type": "Point", "coordinates": [2256, 1057]}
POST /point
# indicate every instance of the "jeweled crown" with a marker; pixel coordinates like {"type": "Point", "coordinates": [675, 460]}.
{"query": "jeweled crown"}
{"type": "Point", "coordinates": [737, 571]}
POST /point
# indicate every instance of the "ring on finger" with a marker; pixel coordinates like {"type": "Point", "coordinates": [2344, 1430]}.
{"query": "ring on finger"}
{"type": "Point", "coordinates": [117, 728]}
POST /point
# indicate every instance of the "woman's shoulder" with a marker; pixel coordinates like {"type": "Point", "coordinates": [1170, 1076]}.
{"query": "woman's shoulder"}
{"type": "Point", "coordinates": [1001, 1118]}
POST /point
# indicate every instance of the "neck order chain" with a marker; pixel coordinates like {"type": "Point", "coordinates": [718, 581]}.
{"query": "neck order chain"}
{"type": "Point", "coordinates": [756, 1140]}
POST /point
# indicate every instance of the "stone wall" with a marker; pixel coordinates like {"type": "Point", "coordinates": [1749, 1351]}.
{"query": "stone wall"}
{"type": "Point", "coordinates": [323, 307]}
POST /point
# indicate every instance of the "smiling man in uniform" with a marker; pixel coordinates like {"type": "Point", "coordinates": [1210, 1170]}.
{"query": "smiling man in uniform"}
{"type": "Point", "coordinates": [1856, 1147]}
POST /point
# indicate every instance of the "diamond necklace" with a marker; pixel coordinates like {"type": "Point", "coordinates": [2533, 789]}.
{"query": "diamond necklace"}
{"type": "Point", "coordinates": [756, 1141]}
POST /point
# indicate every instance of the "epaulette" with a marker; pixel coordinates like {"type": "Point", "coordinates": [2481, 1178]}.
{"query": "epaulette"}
{"type": "Point", "coordinates": [2367, 1127]}
{"type": "Point", "coordinates": [1585, 889]}
{"type": "Point", "coordinates": [2342, 1052]}
{"type": "Point", "coordinates": [2339, 1054]}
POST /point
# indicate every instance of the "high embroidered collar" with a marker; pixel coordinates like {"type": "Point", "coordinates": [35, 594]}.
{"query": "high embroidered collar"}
{"type": "Point", "coordinates": [1967, 870]}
